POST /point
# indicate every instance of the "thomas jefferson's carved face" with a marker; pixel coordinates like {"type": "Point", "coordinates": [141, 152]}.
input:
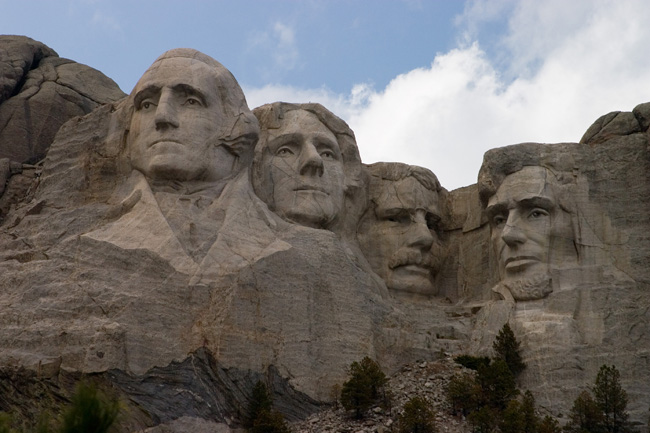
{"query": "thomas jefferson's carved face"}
{"type": "Point", "coordinates": [530, 233]}
{"type": "Point", "coordinates": [397, 237]}
{"type": "Point", "coordinates": [305, 165]}
{"type": "Point", "coordinates": [177, 114]}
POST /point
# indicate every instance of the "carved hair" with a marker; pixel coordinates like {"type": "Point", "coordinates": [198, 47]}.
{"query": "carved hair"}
{"type": "Point", "coordinates": [502, 162]}
{"type": "Point", "coordinates": [395, 171]}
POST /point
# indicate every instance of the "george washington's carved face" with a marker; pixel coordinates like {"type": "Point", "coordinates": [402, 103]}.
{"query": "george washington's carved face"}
{"type": "Point", "coordinates": [177, 114]}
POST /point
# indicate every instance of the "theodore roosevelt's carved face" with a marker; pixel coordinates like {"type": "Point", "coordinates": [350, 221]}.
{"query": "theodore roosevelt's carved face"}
{"type": "Point", "coordinates": [397, 238]}
{"type": "Point", "coordinates": [177, 114]}
{"type": "Point", "coordinates": [530, 232]}
{"type": "Point", "coordinates": [305, 166]}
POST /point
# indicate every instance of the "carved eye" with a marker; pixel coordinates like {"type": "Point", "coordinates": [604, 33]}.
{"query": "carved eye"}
{"type": "Point", "coordinates": [145, 105]}
{"type": "Point", "coordinates": [499, 220]}
{"type": "Point", "coordinates": [400, 218]}
{"type": "Point", "coordinates": [193, 101]}
{"type": "Point", "coordinates": [432, 223]}
{"type": "Point", "coordinates": [537, 213]}
{"type": "Point", "coordinates": [284, 151]}
{"type": "Point", "coordinates": [327, 154]}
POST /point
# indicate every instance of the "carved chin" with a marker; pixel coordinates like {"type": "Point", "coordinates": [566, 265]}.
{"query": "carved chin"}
{"type": "Point", "coordinates": [535, 287]}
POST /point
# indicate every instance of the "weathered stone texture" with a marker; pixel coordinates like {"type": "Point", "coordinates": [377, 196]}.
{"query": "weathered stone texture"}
{"type": "Point", "coordinates": [181, 286]}
{"type": "Point", "coordinates": [39, 92]}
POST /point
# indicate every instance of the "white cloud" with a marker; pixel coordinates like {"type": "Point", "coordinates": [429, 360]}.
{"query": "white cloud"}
{"type": "Point", "coordinates": [279, 45]}
{"type": "Point", "coordinates": [566, 64]}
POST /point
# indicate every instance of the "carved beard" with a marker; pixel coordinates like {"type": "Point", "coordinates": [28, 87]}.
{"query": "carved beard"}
{"type": "Point", "coordinates": [535, 287]}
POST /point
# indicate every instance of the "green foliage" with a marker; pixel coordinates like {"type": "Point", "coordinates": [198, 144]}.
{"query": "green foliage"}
{"type": "Point", "coordinates": [269, 421]}
{"type": "Point", "coordinates": [463, 393]}
{"type": "Point", "coordinates": [549, 425]}
{"type": "Point", "coordinates": [417, 417]}
{"type": "Point", "coordinates": [260, 401]}
{"type": "Point", "coordinates": [483, 420]}
{"type": "Point", "coordinates": [585, 416]}
{"type": "Point", "coordinates": [506, 348]}
{"type": "Point", "coordinates": [364, 386]}
{"type": "Point", "coordinates": [472, 362]}
{"type": "Point", "coordinates": [5, 423]}
{"type": "Point", "coordinates": [90, 412]}
{"type": "Point", "coordinates": [512, 419]}
{"type": "Point", "coordinates": [531, 420]}
{"type": "Point", "coordinates": [611, 399]}
{"type": "Point", "coordinates": [497, 384]}
{"type": "Point", "coordinates": [261, 417]}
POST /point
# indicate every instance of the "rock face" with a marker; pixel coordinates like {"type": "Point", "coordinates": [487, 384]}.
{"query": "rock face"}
{"type": "Point", "coordinates": [178, 247]}
{"type": "Point", "coordinates": [39, 92]}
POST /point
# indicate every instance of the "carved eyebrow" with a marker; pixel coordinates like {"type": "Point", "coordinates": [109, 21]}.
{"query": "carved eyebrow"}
{"type": "Point", "coordinates": [274, 144]}
{"type": "Point", "coordinates": [191, 91]}
{"type": "Point", "coordinates": [497, 208]}
{"type": "Point", "coordinates": [537, 201]}
{"type": "Point", "coordinates": [389, 212]}
{"type": "Point", "coordinates": [145, 93]}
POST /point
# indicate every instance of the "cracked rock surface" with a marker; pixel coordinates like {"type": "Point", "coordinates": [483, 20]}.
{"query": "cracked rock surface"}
{"type": "Point", "coordinates": [39, 92]}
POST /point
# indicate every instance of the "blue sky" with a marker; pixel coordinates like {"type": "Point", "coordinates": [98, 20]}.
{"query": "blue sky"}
{"type": "Point", "coordinates": [433, 83]}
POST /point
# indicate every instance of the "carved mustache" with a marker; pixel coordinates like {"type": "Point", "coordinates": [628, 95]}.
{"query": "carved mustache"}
{"type": "Point", "coordinates": [401, 258]}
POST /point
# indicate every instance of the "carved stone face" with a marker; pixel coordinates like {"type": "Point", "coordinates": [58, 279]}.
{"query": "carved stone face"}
{"type": "Point", "coordinates": [530, 232]}
{"type": "Point", "coordinates": [305, 166]}
{"type": "Point", "coordinates": [177, 114]}
{"type": "Point", "coordinates": [397, 237]}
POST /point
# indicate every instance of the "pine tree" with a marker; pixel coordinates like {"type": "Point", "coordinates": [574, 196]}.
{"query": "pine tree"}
{"type": "Point", "coordinates": [90, 412]}
{"type": "Point", "coordinates": [531, 420]}
{"type": "Point", "coordinates": [497, 384]}
{"type": "Point", "coordinates": [585, 416]}
{"type": "Point", "coordinates": [512, 418]}
{"type": "Point", "coordinates": [463, 393]}
{"type": "Point", "coordinates": [484, 420]}
{"type": "Point", "coordinates": [506, 348]}
{"type": "Point", "coordinates": [260, 401]}
{"type": "Point", "coordinates": [611, 399]}
{"type": "Point", "coordinates": [364, 386]}
{"type": "Point", "coordinates": [549, 425]}
{"type": "Point", "coordinates": [417, 417]}
{"type": "Point", "coordinates": [261, 417]}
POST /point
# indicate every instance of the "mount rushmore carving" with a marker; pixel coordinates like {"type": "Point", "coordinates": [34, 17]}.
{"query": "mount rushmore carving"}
{"type": "Point", "coordinates": [177, 226]}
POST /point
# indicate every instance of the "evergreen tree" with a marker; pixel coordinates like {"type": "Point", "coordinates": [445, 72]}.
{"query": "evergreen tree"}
{"type": "Point", "coordinates": [497, 384]}
{"type": "Point", "coordinates": [611, 399]}
{"type": "Point", "coordinates": [585, 416]}
{"type": "Point", "coordinates": [417, 417]}
{"type": "Point", "coordinates": [463, 393]}
{"type": "Point", "coordinates": [261, 417]}
{"type": "Point", "coordinates": [364, 386]}
{"type": "Point", "coordinates": [260, 401]}
{"type": "Point", "coordinates": [506, 348]}
{"type": "Point", "coordinates": [549, 425]}
{"type": "Point", "coordinates": [472, 362]}
{"type": "Point", "coordinates": [270, 421]}
{"type": "Point", "coordinates": [483, 420]}
{"type": "Point", "coordinates": [90, 412]}
{"type": "Point", "coordinates": [512, 418]}
{"type": "Point", "coordinates": [531, 420]}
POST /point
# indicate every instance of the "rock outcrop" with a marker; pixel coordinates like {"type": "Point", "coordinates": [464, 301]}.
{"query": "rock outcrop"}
{"type": "Point", "coordinates": [39, 92]}
{"type": "Point", "coordinates": [177, 247]}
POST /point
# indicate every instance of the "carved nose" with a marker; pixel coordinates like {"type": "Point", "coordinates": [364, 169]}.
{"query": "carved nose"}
{"type": "Point", "coordinates": [420, 235]}
{"type": "Point", "coordinates": [166, 116]}
{"type": "Point", "coordinates": [311, 163]}
{"type": "Point", "coordinates": [512, 234]}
